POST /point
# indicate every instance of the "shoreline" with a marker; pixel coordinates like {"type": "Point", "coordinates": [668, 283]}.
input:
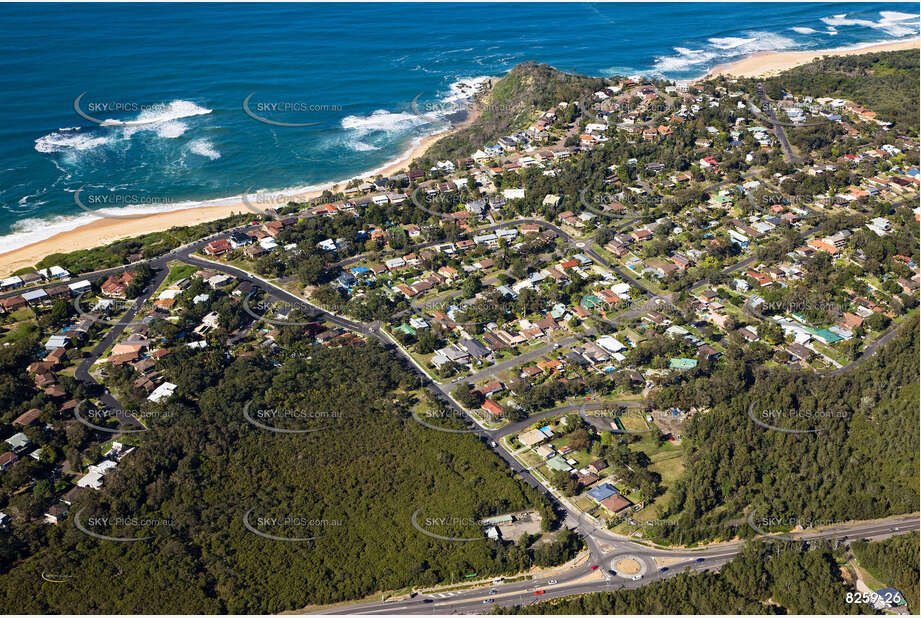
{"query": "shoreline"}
{"type": "Point", "coordinates": [107, 230]}
{"type": "Point", "coordinates": [771, 63]}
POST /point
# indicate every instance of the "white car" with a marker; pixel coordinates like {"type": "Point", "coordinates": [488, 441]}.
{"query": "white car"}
{"type": "Point", "coordinates": [636, 577]}
{"type": "Point", "coordinates": [551, 582]}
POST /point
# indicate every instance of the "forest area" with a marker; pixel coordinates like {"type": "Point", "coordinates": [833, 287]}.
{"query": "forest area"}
{"type": "Point", "coordinates": [352, 484]}
{"type": "Point", "coordinates": [895, 562]}
{"type": "Point", "coordinates": [856, 458]}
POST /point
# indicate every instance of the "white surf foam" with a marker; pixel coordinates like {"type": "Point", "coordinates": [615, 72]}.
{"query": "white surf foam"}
{"type": "Point", "coordinates": [803, 30]}
{"type": "Point", "coordinates": [890, 22]}
{"type": "Point", "coordinates": [158, 114]}
{"type": "Point", "coordinates": [204, 148]}
{"type": "Point", "coordinates": [70, 138]}
{"type": "Point", "coordinates": [753, 42]}
{"type": "Point", "coordinates": [360, 146]}
{"type": "Point", "coordinates": [32, 230]}
{"type": "Point", "coordinates": [381, 120]}
{"type": "Point", "coordinates": [465, 89]}
{"type": "Point", "coordinates": [687, 59]}
{"type": "Point", "coordinates": [163, 120]}
{"type": "Point", "coordinates": [729, 42]}
{"type": "Point", "coordinates": [720, 49]}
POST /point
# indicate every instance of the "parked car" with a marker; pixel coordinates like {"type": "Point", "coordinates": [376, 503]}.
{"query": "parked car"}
{"type": "Point", "coordinates": [541, 591]}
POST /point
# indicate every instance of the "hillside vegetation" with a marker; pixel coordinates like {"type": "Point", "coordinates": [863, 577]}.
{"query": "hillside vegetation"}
{"type": "Point", "coordinates": [359, 481]}
{"type": "Point", "coordinates": [886, 82]}
{"type": "Point", "coordinates": [895, 562]}
{"type": "Point", "coordinates": [862, 463]}
{"type": "Point", "coordinates": [513, 102]}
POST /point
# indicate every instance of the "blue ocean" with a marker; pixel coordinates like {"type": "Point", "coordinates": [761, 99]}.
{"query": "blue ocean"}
{"type": "Point", "coordinates": [145, 103]}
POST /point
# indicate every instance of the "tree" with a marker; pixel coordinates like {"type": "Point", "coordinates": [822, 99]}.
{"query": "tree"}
{"type": "Point", "coordinates": [471, 286]}
{"type": "Point", "coordinates": [467, 397]}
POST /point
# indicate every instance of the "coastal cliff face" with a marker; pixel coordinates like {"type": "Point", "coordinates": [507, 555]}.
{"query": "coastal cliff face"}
{"type": "Point", "coordinates": [511, 104]}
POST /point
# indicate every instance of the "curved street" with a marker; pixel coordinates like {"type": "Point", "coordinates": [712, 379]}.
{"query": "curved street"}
{"type": "Point", "coordinates": [602, 545]}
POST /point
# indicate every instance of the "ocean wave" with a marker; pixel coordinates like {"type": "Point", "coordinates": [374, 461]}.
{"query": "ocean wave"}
{"type": "Point", "coordinates": [360, 146]}
{"type": "Point", "coordinates": [164, 121]}
{"type": "Point", "coordinates": [382, 120]}
{"type": "Point", "coordinates": [385, 121]}
{"type": "Point", "coordinates": [720, 49]}
{"type": "Point", "coordinates": [803, 30]}
{"type": "Point", "coordinates": [169, 130]}
{"type": "Point", "coordinates": [204, 148]}
{"type": "Point", "coordinates": [465, 89]}
{"type": "Point", "coordinates": [890, 22]}
{"type": "Point", "coordinates": [70, 139]}
{"type": "Point", "coordinates": [31, 230]}
{"type": "Point", "coordinates": [35, 229]}
{"type": "Point", "coordinates": [729, 42]}
{"type": "Point", "coordinates": [753, 42]}
{"type": "Point", "coordinates": [159, 114]}
{"type": "Point", "coordinates": [686, 60]}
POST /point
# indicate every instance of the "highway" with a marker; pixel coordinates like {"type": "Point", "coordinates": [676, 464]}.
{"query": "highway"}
{"type": "Point", "coordinates": [582, 580]}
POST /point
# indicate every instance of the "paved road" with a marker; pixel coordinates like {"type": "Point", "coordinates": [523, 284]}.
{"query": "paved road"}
{"type": "Point", "coordinates": [573, 518]}
{"type": "Point", "coordinates": [868, 351]}
{"type": "Point", "coordinates": [596, 538]}
{"type": "Point", "coordinates": [82, 372]}
{"type": "Point", "coordinates": [521, 359]}
{"type": "Point", "coordinates": [581, 580]}
{"type": "Point", "coordinates": [778, 127]}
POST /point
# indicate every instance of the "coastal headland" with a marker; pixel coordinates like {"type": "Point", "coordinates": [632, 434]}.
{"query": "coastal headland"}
{"type": "Point", "coordinates": [104, 231]}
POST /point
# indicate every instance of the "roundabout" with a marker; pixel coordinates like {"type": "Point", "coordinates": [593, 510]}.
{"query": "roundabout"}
{"type": "Point", "coordinates": [628, 566]}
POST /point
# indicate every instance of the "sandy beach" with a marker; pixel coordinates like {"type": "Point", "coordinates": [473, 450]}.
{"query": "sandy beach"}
{"type": "Point", "coordinates": [767, 64]}
{"type": "Point", "coordinates": [105, 231]}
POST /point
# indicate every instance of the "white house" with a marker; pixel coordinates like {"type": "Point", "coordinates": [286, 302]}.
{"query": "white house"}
{"type": "Point", "coordinates": [164, 391]}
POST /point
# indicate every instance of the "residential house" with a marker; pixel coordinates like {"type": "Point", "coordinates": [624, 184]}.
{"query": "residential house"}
{"type": "Point", "coordinates": [116, 285]}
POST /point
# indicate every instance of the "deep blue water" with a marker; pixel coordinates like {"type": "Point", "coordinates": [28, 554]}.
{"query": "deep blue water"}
{"type": "Point", "coordinates": [184, 71]}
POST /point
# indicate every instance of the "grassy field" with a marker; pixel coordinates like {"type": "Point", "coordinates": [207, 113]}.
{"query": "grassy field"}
{"type": "Point", "coordinates": [829, 351]}
{"type": "Point", "coordinates": [178, 270]}
{"type": "Point", "coordinates": [18, 331]}
{"type": "Point", "coordinates": [531, 459]}
{"type": "Point", "coordinates": [20, 315]}
{"type": "Point", "coordinates": [668, 462]}
{"type": "Point", "coordinates": [634, 421]}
